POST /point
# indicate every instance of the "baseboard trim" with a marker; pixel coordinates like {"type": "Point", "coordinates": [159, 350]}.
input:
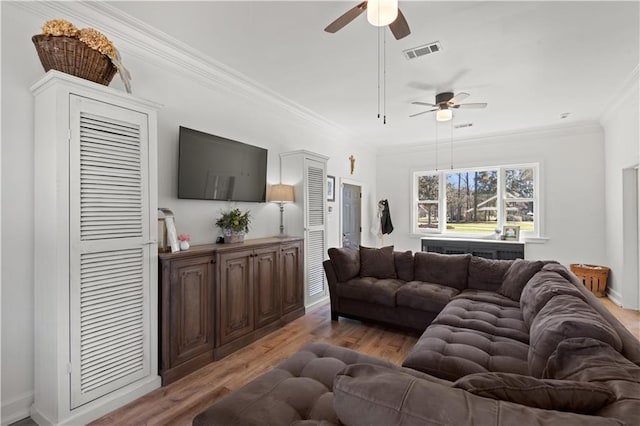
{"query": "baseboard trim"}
{"type": "Point", "coordinates": [318, 303]}
{"type": "Point", "coordinates": [615, 297]}
{"type": "Point", "coordinates": [94, 410]}
{"type": "Point", "coordinates": [16, 408]}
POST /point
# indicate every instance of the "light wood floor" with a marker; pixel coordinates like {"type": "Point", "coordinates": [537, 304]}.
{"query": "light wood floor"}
{"type": "Point", "coordinates": [180, 402]}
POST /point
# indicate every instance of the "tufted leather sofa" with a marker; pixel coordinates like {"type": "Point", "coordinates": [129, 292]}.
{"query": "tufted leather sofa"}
{"type": "Point", "coordinates": [506, 342]}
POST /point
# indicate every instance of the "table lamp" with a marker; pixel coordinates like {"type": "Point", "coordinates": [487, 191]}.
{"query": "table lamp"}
{"type": "Point", "coordinates": [281, 193]}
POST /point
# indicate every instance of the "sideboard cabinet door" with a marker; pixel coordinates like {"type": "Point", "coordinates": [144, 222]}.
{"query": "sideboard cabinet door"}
{"type": "Point", "coordinates": [235, 303]}
{"type": "Point", "coordinates": [192, 319]}
{"type": "Point", "coordinates": [292, 276]}
{"type": "Point", "coordinates": [266, 288]}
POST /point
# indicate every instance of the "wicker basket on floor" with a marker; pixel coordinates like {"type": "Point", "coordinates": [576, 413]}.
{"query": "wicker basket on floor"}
{"type": "Point", "coordinates": [71, 56]}
{"type": "Point", "coordinates": [593, 277]}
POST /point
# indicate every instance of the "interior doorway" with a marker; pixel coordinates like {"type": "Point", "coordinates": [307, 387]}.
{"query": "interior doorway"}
{"type": "Point", "coordinates": [351, 201]}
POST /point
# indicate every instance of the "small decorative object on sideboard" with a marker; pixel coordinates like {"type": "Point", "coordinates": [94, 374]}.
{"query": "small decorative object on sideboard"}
{"type": "Point", "coordinates": [184, 241]}
{"type": "Point", "coordinates": [234, 225]}
{"type": "Point", "coordinates": [85, 53]}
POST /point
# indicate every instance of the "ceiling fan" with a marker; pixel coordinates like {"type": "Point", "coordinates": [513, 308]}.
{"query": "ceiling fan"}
{"type": "Point", "coordinates": [379, 13]}
{"type": "Point", "coordinates": [445, 101]}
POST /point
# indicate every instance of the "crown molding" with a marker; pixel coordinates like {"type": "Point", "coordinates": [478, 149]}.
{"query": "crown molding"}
{"type": "Point", "coordinates": [139, 39]}
{"type": "Point", "coordinates": [496, 138]}
{"type": "Point", "coordinates": [627, 88]}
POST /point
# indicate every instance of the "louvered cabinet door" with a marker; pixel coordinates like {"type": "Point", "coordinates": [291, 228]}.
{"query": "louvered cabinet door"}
{"type": "Point", "coordinates": [315, 229]}
{"type": "Point", "coordinates": [109, 248]}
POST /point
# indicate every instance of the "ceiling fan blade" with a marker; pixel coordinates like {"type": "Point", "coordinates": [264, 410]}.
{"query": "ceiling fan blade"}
{"type": "Point", "coordinates": [423, 104]}
{"type": "Point", "coordinates": [457, 98]}
{"type": "Point", "coordinates": [474, 105]}
{"type": "Point", "coordinates": [399, 27]}
{"type": "Point", "coordinates": [424, 112]}
{"type": "Point", "coordinates": [347, 17]}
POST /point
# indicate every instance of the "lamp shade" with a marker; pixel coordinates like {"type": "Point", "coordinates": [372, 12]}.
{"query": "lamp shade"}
{"type": "Point", "coordinates": [444, 115]}
{"type": "Point", "coordinates": [382, 12]}
{"type": "Point", "coordinates": [281, 193]}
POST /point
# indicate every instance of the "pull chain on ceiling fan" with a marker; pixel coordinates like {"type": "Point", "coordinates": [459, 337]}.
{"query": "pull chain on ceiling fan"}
{"type": "Point", "coordinates": [380, 13]}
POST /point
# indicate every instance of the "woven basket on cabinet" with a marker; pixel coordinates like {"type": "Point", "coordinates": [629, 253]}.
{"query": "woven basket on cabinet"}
{"type": "Point", "coordinates": [72, 56]}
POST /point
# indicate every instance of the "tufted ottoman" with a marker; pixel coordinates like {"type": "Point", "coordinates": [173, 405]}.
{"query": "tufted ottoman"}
{"type": "Point", "coordinates": [298, 391]}
{"type": "Point", "coordinates": [472, 335]}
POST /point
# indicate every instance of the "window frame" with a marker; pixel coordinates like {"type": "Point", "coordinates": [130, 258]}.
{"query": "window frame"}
{"type": "Point", "coordinates": [501, 200]}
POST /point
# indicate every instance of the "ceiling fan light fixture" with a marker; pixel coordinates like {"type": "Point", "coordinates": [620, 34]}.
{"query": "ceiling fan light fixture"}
{"type": "Point", "coordinates": [382, 12]}
{"type": "Point", "coordinates": [444, 114]}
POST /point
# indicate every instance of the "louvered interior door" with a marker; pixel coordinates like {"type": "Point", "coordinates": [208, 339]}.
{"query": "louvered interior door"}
{"type": "Point", "coordinates": [109, 248]}
{"type": "Point", "coordinates": [315, 180]}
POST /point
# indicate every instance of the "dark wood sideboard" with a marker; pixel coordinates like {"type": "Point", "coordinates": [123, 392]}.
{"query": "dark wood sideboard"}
{"type": "Point", "coordinates": [217, 298]}
{"type": "Point", "coordinates": [490, 249]}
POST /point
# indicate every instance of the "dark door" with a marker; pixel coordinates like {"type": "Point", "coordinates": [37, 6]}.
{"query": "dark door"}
{"type": "Point", "coordinates": [351, 210]}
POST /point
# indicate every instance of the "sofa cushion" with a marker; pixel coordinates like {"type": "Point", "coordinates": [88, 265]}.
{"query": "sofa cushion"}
{"type": "Point", "coordinates": [404, 264]}
{"type": "Point", "coordinates": [377, 262]}
{"type": "Point", "coordinates": [487, 274]}
{"type": "Point", "coordinates": [425, 296]}
{"type": "Point", "coordinates": [369, 289]}
{"type": "Point", "coordinates": [486, 317]}
{"type": "Point", "coordinates": [540, 289]}
{"type": "Point", "coordinates": [298, 391]}
{"type": "Point", "coordinates": [517, 276]}
{"type": "Point", "coordinates": [345, 261]}
{"type": "Point", "coordinates": [564, 317]}
{"type": "Point", "coordinates": [446, 269]}
{"type": "Point", "coordinates": [450, 352]}
{"type": "Point", "coordinates": [589, 360]}
{"type": "Point", "coordinates": [375, 395]}
{"type": "Point", "coordinates": [488, 297]}
{"type": "Point", "coordinates": [563, 395]}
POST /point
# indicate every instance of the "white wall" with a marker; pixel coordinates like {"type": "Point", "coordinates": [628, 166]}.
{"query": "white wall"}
{"type": "Point", "coordinates": [190, 100]}
{"type": "Point", "coordinates": [572, 185]}
{"type": "Point", "coordinates": [621, 150]}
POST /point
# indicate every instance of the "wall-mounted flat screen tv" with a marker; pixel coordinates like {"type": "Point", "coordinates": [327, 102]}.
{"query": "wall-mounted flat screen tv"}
{"type": "Point", "coordinates": [216, 168]}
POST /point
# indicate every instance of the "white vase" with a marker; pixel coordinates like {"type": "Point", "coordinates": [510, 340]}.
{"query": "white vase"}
{"type": "Point", "coordinates": [184, 245]}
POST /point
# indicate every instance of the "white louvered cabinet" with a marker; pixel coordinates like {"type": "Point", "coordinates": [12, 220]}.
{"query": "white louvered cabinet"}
{"type": "Point", "coordinates": [307, 171]}
{"type": "Point", "coordinates": [95, 249]}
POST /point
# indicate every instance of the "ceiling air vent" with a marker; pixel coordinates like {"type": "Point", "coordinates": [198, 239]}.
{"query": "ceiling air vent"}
{"type": "Point", "coordinates": [463, 125]}
{"type": "Point", "coordinates": [425, 49]}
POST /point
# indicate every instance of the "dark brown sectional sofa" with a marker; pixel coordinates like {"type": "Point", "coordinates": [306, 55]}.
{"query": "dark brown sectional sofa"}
{"type": "Point", "coordinates": [503, 343]}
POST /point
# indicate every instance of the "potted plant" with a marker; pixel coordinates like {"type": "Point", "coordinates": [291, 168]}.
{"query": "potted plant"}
{"type": "Point", "coordinates": [234, 225]}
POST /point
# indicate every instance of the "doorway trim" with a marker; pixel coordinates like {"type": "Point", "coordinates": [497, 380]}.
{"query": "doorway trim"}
{"type": "Point", "coordinates": [630, 288]}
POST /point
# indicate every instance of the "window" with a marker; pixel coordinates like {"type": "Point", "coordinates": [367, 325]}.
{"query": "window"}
{"type": "Point", "coordinates": [427, 195]}
{"type": "Point", "coordinates": [476, 201]}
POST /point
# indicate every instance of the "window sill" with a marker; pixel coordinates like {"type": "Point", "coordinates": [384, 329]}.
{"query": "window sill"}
{"type": "Point", "coordinates": [535, 240]}
{"type": "Point", "coordinates": [490, 238]}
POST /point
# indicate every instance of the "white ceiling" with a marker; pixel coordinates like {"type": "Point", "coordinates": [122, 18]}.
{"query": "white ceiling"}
{"type": "Point", "coordinates": [531, 61]}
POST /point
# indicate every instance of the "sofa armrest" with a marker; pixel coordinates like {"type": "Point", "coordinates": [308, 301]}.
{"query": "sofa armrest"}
{"type": "Point", "coordinates": [332, 281]}
{"type": "Point", "coordinates": [367, 394]}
